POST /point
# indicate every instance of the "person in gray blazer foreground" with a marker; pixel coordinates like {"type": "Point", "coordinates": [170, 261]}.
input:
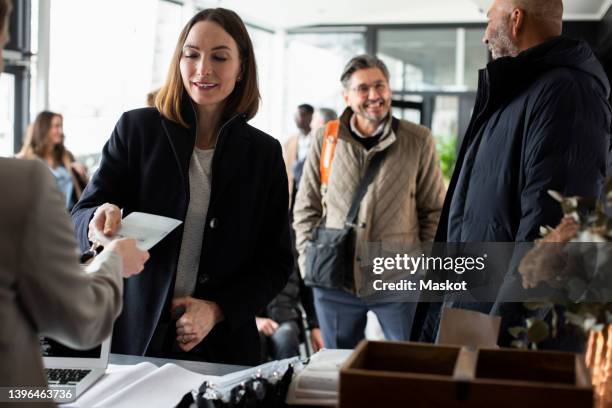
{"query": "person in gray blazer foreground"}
{"type": "Point", "coordinates": [43, 289]}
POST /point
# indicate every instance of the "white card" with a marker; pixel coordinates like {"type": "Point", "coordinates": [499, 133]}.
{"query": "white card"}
{"type": "Point", "coordinates": [146, 229]}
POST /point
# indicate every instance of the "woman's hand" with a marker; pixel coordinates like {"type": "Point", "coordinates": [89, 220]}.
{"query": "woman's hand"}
{"type": "Point", "coordinates": [133, 258]}
{"type": "Point", "coordinates": [104, 224]}
{"type": "Point", "coordinates": [198, 320]}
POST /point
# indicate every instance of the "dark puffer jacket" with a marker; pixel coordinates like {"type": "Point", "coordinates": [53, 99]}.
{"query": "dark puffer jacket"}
{"type": "Point", "coordinates": [541, 122]}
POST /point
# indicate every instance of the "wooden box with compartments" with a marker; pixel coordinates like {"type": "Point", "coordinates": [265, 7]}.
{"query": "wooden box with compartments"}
{"type": "Point", "coordinates": [386, 374]}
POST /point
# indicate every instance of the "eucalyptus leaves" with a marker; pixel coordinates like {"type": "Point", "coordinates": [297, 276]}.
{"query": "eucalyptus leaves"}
{"type": "Point", "coordinates": [575, 259]}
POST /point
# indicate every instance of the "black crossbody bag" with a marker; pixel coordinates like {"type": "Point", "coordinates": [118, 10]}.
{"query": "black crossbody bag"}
{"type": "Point", "coordinates": [329, 254]}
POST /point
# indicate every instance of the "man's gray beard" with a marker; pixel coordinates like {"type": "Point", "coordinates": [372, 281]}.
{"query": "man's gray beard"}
{"type": "Point", "coordinates": [504, 46]}
{"type": "Point", "coordinates": [371, 118]}
{"type": "Point", "coordinates": [364, 114]}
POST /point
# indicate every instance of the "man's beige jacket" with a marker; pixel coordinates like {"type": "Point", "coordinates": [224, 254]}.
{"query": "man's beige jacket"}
{"type": "Point", "coordinates": [402, 204]}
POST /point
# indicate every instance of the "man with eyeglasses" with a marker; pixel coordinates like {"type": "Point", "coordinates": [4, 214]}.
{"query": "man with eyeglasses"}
{"type": "Point", "coordinates": [401, 205]}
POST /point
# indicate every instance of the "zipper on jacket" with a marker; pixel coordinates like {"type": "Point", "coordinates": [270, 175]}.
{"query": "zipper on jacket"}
{"type": "Point", "coordinates": [213, 161]}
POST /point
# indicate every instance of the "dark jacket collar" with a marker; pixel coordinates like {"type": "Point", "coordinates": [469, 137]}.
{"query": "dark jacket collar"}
{"type": "Point", "coordinates": [506, 77]}
{"type": "Point", "coordinates": [232, 145]}
{"type": "Point", "coordinates": [188, 111]}
{"type": "Point", "coordinates": [183, 139]}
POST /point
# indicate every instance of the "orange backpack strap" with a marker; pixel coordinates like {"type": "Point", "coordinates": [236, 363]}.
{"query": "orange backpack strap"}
{"type": "Point", "coordinates": [330, 139]}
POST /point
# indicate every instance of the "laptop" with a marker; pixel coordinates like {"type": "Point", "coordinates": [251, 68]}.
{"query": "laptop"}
{"type": "Point", "coordinates": [67, 367]}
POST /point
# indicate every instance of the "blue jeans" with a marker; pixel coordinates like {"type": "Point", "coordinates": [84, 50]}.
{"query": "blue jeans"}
{"type": "Point", "coordinates": [342, 318]}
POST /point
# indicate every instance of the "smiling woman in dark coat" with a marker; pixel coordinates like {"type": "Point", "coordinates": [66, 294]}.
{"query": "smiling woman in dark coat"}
{"type": "Point", "coordinates": [194, 157]}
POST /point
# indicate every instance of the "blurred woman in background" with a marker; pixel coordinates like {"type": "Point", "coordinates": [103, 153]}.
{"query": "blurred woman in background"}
{"type": "Point", "coordinates": [45, 141]}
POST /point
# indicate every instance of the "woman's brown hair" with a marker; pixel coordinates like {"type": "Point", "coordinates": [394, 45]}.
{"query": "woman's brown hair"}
{"type": "Point", "coordinates": [36, 143]}
{"type": "Point", "coordinates": [245, 97]}
{"type": "Point", "coordinates": [36, 140]}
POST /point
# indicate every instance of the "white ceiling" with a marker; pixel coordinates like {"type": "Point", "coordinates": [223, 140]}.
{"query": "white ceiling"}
{"type": "Point", "coordinates": [278, 14]}
{"type": "Point", "coordinates": [572, 9]}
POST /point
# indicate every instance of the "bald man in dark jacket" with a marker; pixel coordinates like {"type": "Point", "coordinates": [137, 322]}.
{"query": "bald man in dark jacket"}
{"type": "Point", "coordinates": [541, 122]}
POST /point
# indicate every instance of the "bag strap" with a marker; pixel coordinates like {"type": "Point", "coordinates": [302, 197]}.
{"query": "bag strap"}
{"type": "Point", "coordinates": [330, 139]}
{"type": "Point", "coordinates": [360, 192]}
{"type": "Point", "coordinates": [369, 175]}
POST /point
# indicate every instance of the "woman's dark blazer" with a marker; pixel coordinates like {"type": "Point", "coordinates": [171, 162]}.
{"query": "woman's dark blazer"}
{"type": "Point", "coordinates": [246, 256]}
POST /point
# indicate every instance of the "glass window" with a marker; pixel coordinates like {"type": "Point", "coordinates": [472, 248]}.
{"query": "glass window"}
{"type": "Point", "coordinates": [444, 125]}
{"type": "Point", "coordinates": [419, 59]}
{"type": "Point", "coordinates": [7, 114]}
{"type": "Point", "coordinates": [475, 56]}
{"type": "Point", "coordinates": [445, 117]}
{"type": "Point", "coordinates": [314, 63]}
{"type": "Point", "coordinates": [263, 45]}
{"type": "Point", "coordinates": [426, 59]}
{"type": "Point", "coordinates": [411, 114]}
{"type": "Point", "coordinates": [34, 74]}
{"type": "Point", "coordinates": [34, 26]}
{"type": "Point", "coordinates": [167, 30]}
{"type": "Point", "coordinates": [94, 78]}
